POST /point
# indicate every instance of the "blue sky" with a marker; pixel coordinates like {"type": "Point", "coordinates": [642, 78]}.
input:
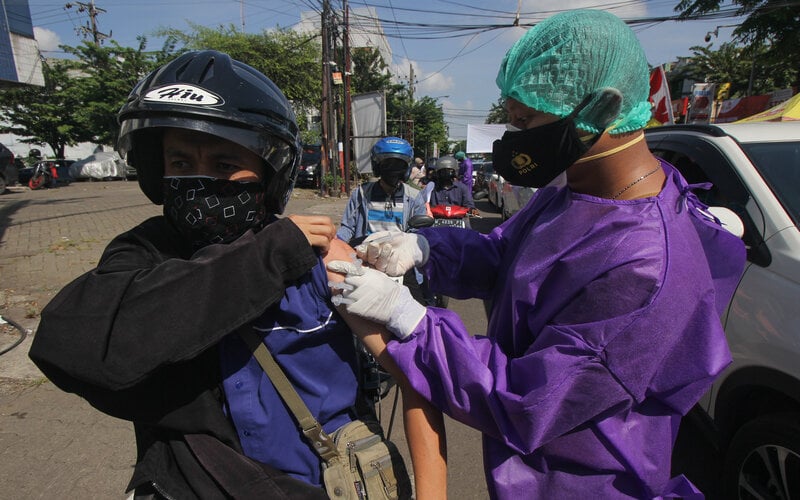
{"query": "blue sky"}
{"type": "Point", "coordinates": [457, 67]}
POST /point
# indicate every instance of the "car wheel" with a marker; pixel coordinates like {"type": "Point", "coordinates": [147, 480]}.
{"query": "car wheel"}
{"type": "Point", "coordinates": [2, 185]}
{"type": "Point", "coordinates": [763, 459]}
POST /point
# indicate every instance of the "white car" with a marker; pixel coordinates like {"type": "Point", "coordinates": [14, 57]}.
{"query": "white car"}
{"type": "Point", "coordinates": [495, 188]}
{"type": "Point", "coordinates": [752, 412]}
{"type": "Point", "coordinates": [514, 198]}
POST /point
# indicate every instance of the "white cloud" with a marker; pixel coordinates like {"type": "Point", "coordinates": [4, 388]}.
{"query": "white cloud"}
{"type": "Point", "coordinates": [424, 83]}
{"type": "Point", "coordinates": [47, 40]}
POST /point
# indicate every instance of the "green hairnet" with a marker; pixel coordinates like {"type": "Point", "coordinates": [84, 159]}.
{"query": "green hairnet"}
{"type": "Point", "coordinates": [571, 55]}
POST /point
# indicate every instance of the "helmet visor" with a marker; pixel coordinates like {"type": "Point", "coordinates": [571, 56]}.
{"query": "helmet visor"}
{"type": "Point", "coordinates": [274, 150]}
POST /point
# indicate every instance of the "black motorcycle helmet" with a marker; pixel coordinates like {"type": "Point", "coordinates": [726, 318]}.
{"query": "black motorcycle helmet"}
{"type": "Point", "coordinates": [445, 169]}
{"type": "Point", "coordinates": [209, 92]}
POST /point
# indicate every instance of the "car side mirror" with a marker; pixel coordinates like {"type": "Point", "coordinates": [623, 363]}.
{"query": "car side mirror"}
{"type": "Point", "coordinates": [730, 221]}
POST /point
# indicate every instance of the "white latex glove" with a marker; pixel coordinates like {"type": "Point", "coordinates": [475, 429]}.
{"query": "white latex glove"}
{"type": "Point", "coordinates": [376, 297]}
{"type": "Point", "coordinates": [393, 252]}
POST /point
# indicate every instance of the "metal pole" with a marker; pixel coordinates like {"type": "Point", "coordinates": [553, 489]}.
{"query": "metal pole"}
{"type": "Point", "coordinates": [347, 103]}
{"type": "Point", "coordinates": [324, 158]}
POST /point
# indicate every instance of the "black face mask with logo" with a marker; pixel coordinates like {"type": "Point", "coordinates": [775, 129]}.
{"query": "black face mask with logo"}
{"type": "Point", "coordinates": [206, 210]}
{"type": "Point", "coordinates": [534, 157]}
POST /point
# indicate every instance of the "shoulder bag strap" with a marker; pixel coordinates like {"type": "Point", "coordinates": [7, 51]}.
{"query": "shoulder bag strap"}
{"type": "Point", "coordinates": [320, 440]}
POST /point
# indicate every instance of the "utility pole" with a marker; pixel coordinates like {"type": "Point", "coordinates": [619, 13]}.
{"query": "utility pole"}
{"type": "Point", "coordinates": [91, 25]}
{"type": "Point", "coordinates": [326, 96]}
{"type": "Point", "coordinates": [347, 104]}
{"type": "Point", "coordinates": [411, 82]}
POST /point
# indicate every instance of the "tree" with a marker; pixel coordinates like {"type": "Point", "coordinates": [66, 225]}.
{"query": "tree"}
{"type": "Point", "coordinates": [498, 113]}
{"type": "Point", "coordinates": [369, 71]}
{"type": "Point", "coordinates": [81, 96]}
{"type": "Point", "coordinates": [44, 115]}
{"type": "Point", "coordinates": [429, 125]}
{"type": "Point", "coordinates": [771, 30]}
{"type": "Point", "coordinates": [103, 78]}
{"type": "Point", "coordinates": [421, 121]}
{"type": "Point", "coordinates": [290, 60]}
{"type": "Point", "coordinates": [737, 65]}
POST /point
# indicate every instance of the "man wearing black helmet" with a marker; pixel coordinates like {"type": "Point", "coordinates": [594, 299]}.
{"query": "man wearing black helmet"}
{"type": "Point", "coordinates": [150, 334]}
{"type": "Point", "coordinates": [448, 190]}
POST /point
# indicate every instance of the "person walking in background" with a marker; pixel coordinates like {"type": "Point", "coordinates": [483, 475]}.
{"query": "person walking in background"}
{"type": "Point", "coordinates": [465, 170]}
{"type": "Point", "coordinates": [151, 335]}
{"type": "Point", "coordinates": [606, 293]}
{"type": "Point", "coordinates": [417, 173]}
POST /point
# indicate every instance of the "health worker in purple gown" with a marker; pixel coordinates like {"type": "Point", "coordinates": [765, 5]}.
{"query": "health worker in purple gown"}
{"type": "Point", "coordinates": [606, 293]}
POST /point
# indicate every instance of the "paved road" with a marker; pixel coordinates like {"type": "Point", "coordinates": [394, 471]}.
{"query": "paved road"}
{"type": "Point", "coordinates": [52, 444]}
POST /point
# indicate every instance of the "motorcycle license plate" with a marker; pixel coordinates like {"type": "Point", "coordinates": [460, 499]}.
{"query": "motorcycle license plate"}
{"type": "Point", "coordinates": [449, 222]}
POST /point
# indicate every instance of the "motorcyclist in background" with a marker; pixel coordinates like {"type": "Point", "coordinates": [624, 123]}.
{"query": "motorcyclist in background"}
{"type": "Point", "coordinates": [448, 189]}
{"type": "Point", "coordinates": [386, 204]}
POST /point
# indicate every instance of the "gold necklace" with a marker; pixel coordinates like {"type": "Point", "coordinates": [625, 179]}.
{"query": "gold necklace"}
{"type": "Point", "coordinates": [648, 174]}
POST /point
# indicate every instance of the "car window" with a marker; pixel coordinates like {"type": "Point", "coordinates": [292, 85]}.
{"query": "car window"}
{"type": "Point", "coordinates": [779, 165]}
{"type": "Point", "coordinates": [700, 162]}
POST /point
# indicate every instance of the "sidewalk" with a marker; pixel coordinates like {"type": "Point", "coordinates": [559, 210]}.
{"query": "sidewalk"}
{"type": "Point", "coordinates": [53, 444]}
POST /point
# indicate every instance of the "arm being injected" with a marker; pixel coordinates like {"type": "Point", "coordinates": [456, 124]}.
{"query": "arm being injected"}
{"type": "Point", "coordinates": [424, 425]}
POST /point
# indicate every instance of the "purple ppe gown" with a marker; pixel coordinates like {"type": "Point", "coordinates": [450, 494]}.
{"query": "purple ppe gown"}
{"type": "Point", "coordinates": [604, 331]}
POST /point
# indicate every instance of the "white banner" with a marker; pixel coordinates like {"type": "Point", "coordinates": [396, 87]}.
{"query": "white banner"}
{"type": "Point", "coordinates": [480, 137]}
{"type": "Point", "coordinates": [369, 125]}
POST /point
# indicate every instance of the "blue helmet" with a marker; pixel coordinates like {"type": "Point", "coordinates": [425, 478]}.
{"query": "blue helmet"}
{"type": "Point", "coordinates": [391, 147]}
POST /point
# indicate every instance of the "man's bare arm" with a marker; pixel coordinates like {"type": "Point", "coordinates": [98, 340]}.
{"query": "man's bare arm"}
{"type": "Point", "coordinates": [424, 424]}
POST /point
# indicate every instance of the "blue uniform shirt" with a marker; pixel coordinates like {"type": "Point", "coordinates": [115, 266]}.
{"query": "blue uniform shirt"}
{"type": "Point", "coordinates": [316, 350]}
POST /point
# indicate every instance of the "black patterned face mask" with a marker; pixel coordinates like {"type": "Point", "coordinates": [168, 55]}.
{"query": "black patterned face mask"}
{"type": "Point", "coordinates": [207, 210]}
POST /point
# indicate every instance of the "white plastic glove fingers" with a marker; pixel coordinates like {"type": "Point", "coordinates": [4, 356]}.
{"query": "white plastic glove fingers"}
{"type": "Point", "coordinates": [374, 295]}
{"type": "Point", "coordinates": [382, 257]}
{"type": "Point", "coordinates": [369, 248]}
{"type": "Point", "coordinates": [345, 267]}
{"type": "Point", "coordinates": [412, 251]}
{"type": "Point", "coordinates": [378, 298]}
{"type": "Point", "coordinates": [380, 235]}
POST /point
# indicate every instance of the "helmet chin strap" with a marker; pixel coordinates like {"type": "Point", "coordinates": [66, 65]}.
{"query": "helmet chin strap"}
{"type": "Point", "coordinates": [610, 151]}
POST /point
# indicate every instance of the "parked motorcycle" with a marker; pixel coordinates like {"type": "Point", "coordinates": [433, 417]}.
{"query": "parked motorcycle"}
{"type": "Point", "coordinates": [44, 175]}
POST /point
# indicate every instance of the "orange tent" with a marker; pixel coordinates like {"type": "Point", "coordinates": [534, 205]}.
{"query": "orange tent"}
{"type": "Point", "coordinates": [783, 112]}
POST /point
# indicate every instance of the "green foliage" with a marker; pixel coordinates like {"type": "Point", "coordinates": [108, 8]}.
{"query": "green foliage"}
{"type": "Point", "coordinates": [498, 113]}
{"type": "Point", "coordinates": [771, 31]}
{"type": "Point", "coordinates": [743, 67]}
{"type": "Point", "coordinates": [429, 125]}
{"type": "Point", "coordinates": [81, 96]}
{"type": "Point", "coordinates": [369, 71]}
{"type": "Point", "coordinates": [420, 121]}
{"type": "Point", "coordinates": [290, 60]}
{"type": "Point", "coordinates": [43, 115]}
{"type": "Point", "coordinates": [104, 78]}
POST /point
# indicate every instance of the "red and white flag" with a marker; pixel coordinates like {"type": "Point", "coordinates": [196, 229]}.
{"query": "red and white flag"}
{"type": "Point", "coordinates": [659, 96]}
